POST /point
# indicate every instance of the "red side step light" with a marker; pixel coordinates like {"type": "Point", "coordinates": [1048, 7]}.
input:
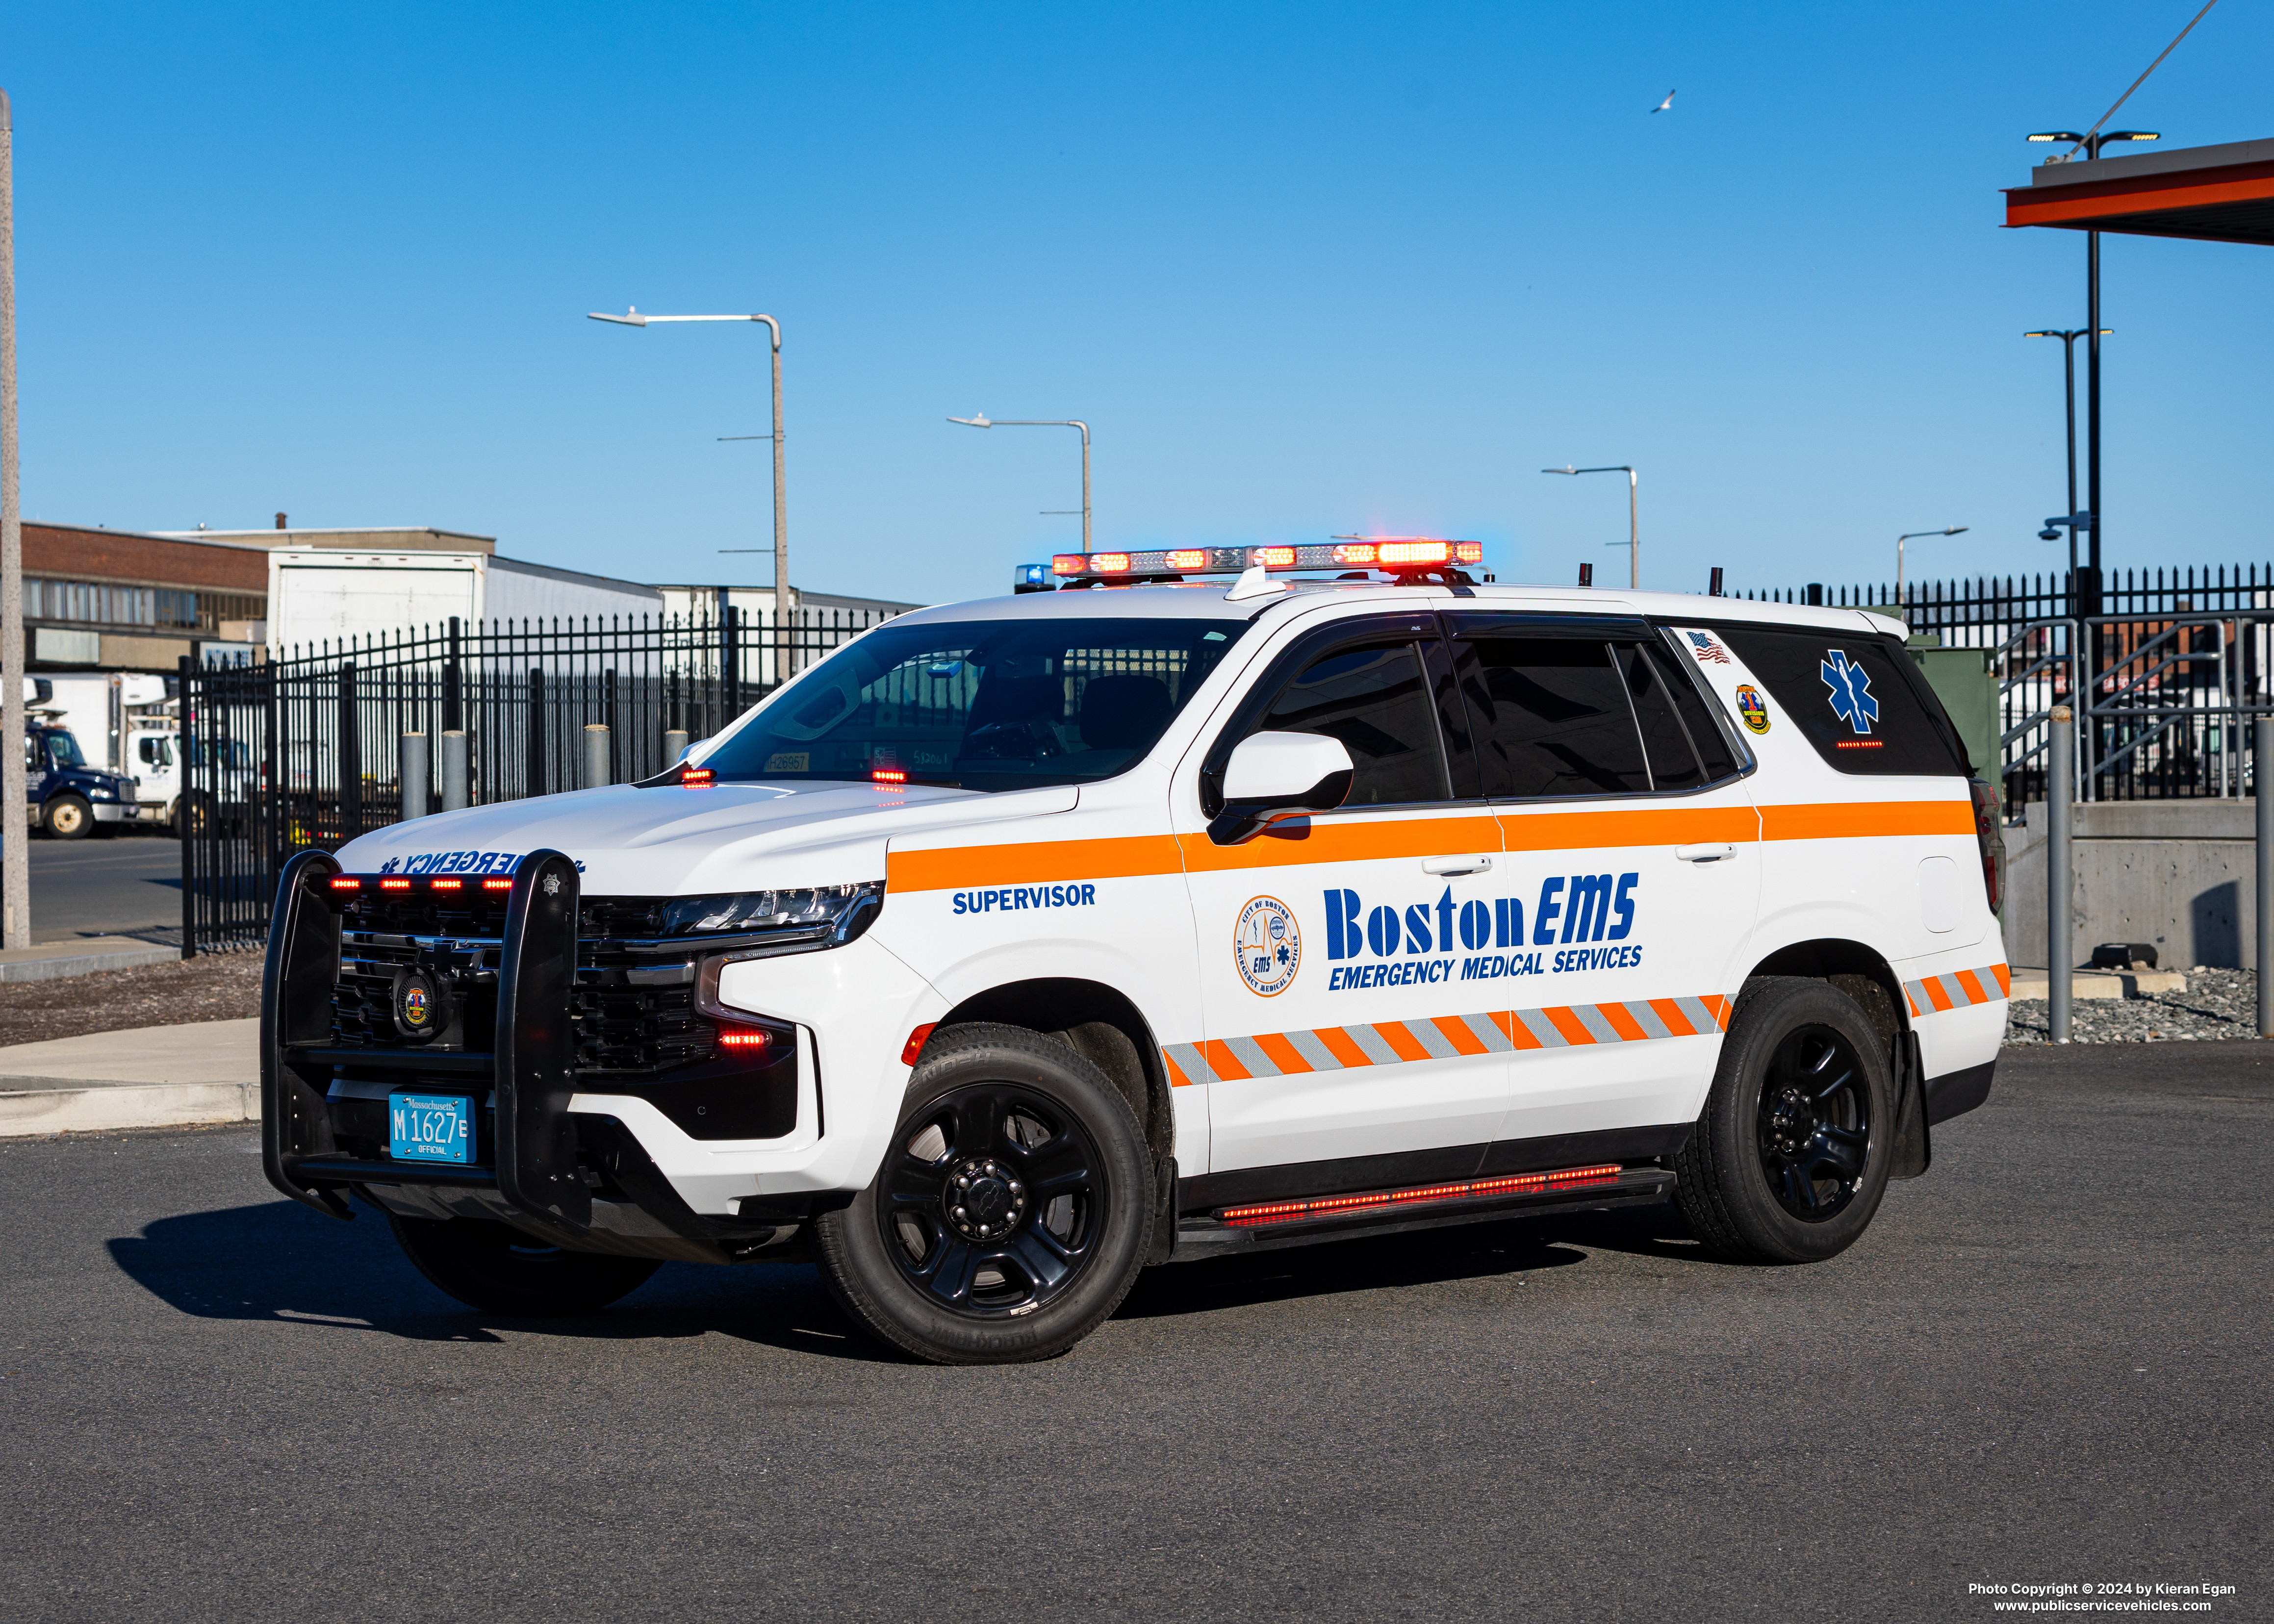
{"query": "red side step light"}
{"type": "Point", "coordinates": [395, 885]}
{"type": "Point", "coordinates": [341, 882]}
{"type": "Point", "coordinates": [498, 884]}
{"type": "Point", "coordinates": [697, 777]}
{"type": "Point", "coordinates": [741, 1037]}
{"type": "Point", "coordinates": [1284, 1212]}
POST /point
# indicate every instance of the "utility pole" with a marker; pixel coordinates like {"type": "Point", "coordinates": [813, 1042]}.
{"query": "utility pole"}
{"type": "Point", "coordinates": [15, 827]}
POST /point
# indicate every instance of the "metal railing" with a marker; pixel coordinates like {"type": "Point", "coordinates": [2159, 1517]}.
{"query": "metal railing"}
{"type": "Point", "coordinates": [306, 752]}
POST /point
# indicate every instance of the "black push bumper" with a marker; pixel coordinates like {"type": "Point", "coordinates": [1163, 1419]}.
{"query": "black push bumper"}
{"type": "Point", "coordinates": [531, 1065]}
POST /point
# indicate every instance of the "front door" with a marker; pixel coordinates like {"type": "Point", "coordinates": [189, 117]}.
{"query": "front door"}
{"type": "Point", "coordinates": [1337, 1028]}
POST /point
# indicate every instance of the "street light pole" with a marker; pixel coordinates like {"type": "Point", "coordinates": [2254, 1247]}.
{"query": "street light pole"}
{"type": "Point", "coordinates": [1952, 529]}
{"type": "Point", "coordinates": [2068, 337]}
{"type": "Point", "coordinates": [980, 420]}
{"type": "Point", "coordinates": [1634, 516]}
{"type": "Point", "coordinates": [633, 319]}
{"type": "Point", "coordinates": [15, 826]}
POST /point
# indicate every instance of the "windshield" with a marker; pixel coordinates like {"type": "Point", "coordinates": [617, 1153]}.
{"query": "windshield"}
{"type": "Point", "coordinates": [984, 705]}
{"type": "Point", "coordinates": [63, 751]}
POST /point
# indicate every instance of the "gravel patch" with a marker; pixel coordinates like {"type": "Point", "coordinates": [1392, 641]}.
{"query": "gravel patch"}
{"type": "Point", "coordinates": [2218, 1005]}
{"type": "Point", "coordinates": [210, 987]}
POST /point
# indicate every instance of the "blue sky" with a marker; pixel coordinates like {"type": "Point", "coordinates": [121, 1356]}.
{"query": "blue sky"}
{"type": "Point", "coordinates": [1305, 269]}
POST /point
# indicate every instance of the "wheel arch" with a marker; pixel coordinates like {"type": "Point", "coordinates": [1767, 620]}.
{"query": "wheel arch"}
{"type": "Point", "coordinates": [1864, 974]}
{"type": "Point", "coordinates": [1102, 1024]}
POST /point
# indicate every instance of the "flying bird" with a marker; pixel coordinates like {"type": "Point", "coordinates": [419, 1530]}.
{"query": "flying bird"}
{"type": "Point", "coordinates": [1666, 106]}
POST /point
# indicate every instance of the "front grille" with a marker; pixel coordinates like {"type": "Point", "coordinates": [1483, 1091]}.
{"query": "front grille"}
{"type": "Point", "coordinates": [621, 1027]}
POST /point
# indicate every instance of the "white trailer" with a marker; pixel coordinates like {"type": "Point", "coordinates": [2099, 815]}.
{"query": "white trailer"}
{"type": "Point", "coordinates": [323, 596]}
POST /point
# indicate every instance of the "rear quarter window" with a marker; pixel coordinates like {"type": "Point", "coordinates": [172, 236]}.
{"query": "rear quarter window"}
{"type": "Point", "coordinates": [1858, 700]}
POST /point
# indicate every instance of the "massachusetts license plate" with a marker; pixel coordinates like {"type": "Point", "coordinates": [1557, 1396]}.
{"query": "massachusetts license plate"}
{"type": "Point", "coordinates": [430, 1127]}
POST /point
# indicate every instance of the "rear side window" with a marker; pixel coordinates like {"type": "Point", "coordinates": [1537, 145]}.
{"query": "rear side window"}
{"type": "Point", "coordinates": [1856, 698]}
{"type": "Point", "coordinates": [1552, 718]}
{"type": "Point", "coordinates": [1376, 701]}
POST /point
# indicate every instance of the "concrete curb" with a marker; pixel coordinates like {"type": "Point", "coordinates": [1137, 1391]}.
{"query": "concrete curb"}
{"type": "Point", "coordinates": [91, 1107]}
{"type": "Point", "coordinates": [2099, 983]}
{"type": "Point", "coordinates": [53, 960]}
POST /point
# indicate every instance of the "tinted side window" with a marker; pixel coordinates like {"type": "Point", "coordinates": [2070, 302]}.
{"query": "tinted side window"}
{"type": "Point", "coordinates": [1377, 703]}
{"type": "Point", "coordinates": [1710, 743]}
{"type": "Point", "coordinates": [1855, 698]}
{"type": "Point", "coordinates": [1665, 741]}
{"type": "Point", "coordinates": [1556, 720]}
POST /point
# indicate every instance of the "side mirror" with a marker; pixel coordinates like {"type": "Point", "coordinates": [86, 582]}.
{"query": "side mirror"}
{"type": "Point", "coordinates": [1273, 777]}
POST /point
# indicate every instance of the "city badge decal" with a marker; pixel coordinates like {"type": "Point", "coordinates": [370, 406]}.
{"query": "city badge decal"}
{"type": "Point", "coordinates": [1267, 946]}
{"type": "Point", "coordinates": [1752, 709]}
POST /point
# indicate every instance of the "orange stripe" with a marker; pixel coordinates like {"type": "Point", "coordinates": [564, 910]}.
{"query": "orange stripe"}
{"type": "Point", "coordinates": [1676, 1022]}
{"type": "Point", "coordinates": [1342, 1046]}
{"type": "Point", "coordinates": [1623, 1023]}
{"type": "Point", "coordinates": [1974, 993]}
{"type": "Point", "coordinates": [1458, 1033]}
{"type": "Point", "coordinates": [1720, 1006]}
{"type": "Point", "coordinates": [1176, 1077]}
{"type": "Point", "coordinates": [1406, 1046]}
{"type": "Point", "coordinates": [1857, 820]}
{"type": "Point", "coordinates": [1282, 1054]}
{"type": "Point", "coordinates": [2145, 194]}
{"type": "Point", "coordinates": [1218, 1054]}
{"type": "Point", "coordinates": [2005, 980]}
{"type": "Point", "coordinates": [1042, 863]}
{"type": "Point", "coordinates": [1344, 841]}
{"type": "Point", "coordinates": [1563, 832]}
{"type": "Point", "coordinates": [1574, 1030]}
{"type": "Point", "coordinates": [1935, 994]}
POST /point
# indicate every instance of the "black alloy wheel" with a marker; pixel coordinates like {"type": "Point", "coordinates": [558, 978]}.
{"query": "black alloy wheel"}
{"type": "Point", "coordinates": [1815, 1124]}
{"type": "Point", "coordinates": [1010, 1212]}
{"type": "Point", "coordinates": [991, 1205]}
{"type": "Point", "coordinates": [1788, 1160]}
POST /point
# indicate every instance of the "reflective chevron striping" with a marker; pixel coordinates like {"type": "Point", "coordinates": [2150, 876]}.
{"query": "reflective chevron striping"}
{"type": "Point", "coordinates": [1391, 1043]}
{"type": "Point", "coordinates": [1960, 989]}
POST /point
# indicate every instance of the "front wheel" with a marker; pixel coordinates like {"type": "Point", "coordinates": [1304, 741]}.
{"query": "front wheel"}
{"type": "Point", "coordinates": [1789, 1160]}
{"type": "Point", "coordinates": [496, 1267]}
{"type": "Point", "coordinates": [69, 818]}
{"type": "Point", "coordinates": [1012, 1212]}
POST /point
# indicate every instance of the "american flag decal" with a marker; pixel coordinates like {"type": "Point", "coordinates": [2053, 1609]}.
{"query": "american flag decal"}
{"type": "Point", "coordinates": [1709, 650]}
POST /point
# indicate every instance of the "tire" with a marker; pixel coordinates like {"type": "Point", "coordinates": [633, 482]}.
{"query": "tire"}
{"type": "Point", "coordinates": [1008, 1117]}
{"type": "Point", "coordinates": [69, 818]}
{"type": "Point", "coordinates": [496, 1267]}
{"type": "Point", "coordinates": [1791, 1156]}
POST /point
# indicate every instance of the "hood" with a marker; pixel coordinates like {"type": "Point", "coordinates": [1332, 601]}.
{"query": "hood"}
{"type": "Point", "coordinates": [677, 840]}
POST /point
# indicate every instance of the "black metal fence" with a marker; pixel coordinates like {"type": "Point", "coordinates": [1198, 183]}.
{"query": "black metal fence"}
{"type": "Point", "coordinates": [2172, 668]}
{"type": "Point", "coordinates": [306, 752]}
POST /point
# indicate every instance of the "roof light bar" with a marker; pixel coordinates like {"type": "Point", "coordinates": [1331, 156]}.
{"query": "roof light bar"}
{"type": "Point", "coordinates": [1518, 1183]}
{"type": "Point", "coordinates": [1386, 553]}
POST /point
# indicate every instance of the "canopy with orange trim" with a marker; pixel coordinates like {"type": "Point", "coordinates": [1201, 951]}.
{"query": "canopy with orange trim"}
{"type": "Point", "coordinates": [2218, 194]}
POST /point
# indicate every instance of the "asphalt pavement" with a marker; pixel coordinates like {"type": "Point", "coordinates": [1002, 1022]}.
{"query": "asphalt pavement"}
{"type": "Point", "coordinates": [2047, 1363]}
{"type": "Point", "coordinates": [127, 884]}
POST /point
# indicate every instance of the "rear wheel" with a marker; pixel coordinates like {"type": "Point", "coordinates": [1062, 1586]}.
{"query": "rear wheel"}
{"type": "Point", "coordinates": [1012, 1212]}
{"type": "Point", "coordinates": [1791, 1158]}
{"type": "Point", "coordinates": [69, 818]}
{"type": "Point", "coordinates": [494, 1266]}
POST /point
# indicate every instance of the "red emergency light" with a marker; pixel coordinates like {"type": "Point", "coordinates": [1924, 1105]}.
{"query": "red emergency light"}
{"type": "Point", "coordinates": [1392, 553]}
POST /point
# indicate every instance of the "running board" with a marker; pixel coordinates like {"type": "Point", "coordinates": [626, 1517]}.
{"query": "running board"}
{"type": "Point", "coordinates": [1259, 1226]}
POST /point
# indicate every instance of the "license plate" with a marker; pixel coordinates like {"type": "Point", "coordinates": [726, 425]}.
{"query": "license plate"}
{"type": "Point", "coordinates": [430, 1127]}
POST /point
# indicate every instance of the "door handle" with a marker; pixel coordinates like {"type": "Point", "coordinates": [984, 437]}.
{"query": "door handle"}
{"type": "Point", "coordinates": [1476, 864]}
{"type": "Point", "coordinates": [1712, 851]}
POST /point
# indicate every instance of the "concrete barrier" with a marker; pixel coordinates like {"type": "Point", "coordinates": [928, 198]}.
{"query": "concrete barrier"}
{"type": "Point", "coordinates": [151, 1077]}
{"type": "Point", "coordinates": [2180, 874]}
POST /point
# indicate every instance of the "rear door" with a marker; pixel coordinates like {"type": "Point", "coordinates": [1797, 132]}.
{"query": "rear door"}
{"type": "Point", "coordinates": [1338, 1040]}
{"type": "Point", "coordinates": [1633, 878]}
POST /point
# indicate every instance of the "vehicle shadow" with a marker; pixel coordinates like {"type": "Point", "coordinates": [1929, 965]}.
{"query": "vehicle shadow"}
{"type": "Point", "coordinates": [1415, 1258]}
{"type": "Point", "coordinates": [278, 1261]}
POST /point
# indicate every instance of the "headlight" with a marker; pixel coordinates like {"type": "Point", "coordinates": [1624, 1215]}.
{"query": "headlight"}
{"type": "Point", "coordinates": [101, 792]}
{"type": "Point", "coordinates": [822, 913]}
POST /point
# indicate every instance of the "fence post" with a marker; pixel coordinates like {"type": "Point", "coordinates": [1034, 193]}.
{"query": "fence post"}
{"type": "Point", "coordinates": [185, 825]}
{"type": "Point", "coordinates": [455, 778]}
{"type": "Point", "coordinates": [351, 758]}
{"type": "Point", "coordinates": [730, 660]}
{"type": "Point", "coordinates": [2061, 880]}
{"type": "Point", "coordinates": [596, 755]}
{"type": "Point", "coordinates": [453, 685]}
{"type": "Point", "coordinates": [410, 776]}
{"type": "Point", "coordinates": [674, 745]}
{"type": "Point", "coordinates": [2264, 791]}
{"type": "Point", "coordinates": [536, 731]}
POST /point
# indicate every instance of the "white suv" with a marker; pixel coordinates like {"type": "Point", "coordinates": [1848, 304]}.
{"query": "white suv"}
{"type": "Point", "coordinates": [1019, 944]}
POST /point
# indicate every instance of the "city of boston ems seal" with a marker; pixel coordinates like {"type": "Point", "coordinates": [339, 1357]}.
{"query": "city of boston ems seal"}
{"type": "Point", "coordinates": [1268, 946]}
